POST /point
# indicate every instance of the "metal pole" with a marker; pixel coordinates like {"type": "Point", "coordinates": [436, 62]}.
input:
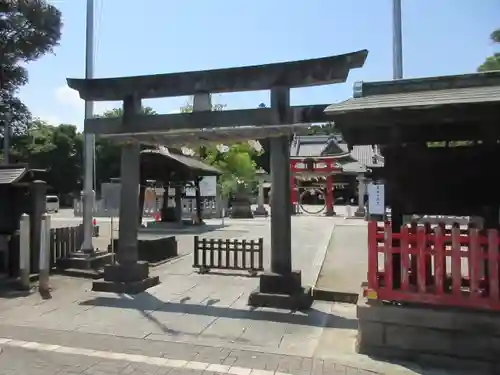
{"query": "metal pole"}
{"type": "Point", "coordinates": [88, 193]}
{"type": "Point", "coordinates": [397, 40]}
{"type": "Point", "coordinates": [6, 115]}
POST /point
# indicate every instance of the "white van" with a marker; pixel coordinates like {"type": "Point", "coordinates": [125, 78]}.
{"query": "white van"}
{"type": "Point", "coordinates": [52, 203]}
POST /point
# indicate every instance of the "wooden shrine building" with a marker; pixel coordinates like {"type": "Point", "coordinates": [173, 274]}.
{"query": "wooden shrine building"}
{"type": "Point", "coordinates": [440, 139]}
{"type": "Point", "coordinates": [325, 163]}
{"type": "Point", "coordinates": [434, 133]}
{"type": "Point", "coordinates": [173, 169]}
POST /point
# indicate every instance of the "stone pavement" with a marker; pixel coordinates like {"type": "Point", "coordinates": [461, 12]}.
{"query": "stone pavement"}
{"type": "Point", "coordinates": [189, 324]}
{"type": "Point", "coordinates": [349, 243]}
{"type": "Point", "coordinates": [53, 354]}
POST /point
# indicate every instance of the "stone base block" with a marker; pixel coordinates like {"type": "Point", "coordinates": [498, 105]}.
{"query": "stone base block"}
{"type": "Point", "coordinates": [261, 211]}
{"type": "Point", "coordinates": [129, 278]}
{"type": "Point", "coordinates": [87, 263]}
{"type": "Point", "coordinates": [330, 213]}
{"type": "Point", "coordinates": [156, 249]}
{"type": "Point", "coordinates": [281, 292]}
{"type": "Point", "coordinates": [360, 213]}
{"type": "Point", "coordinates": [93, 274]}
{"type": "Point", "coordinates": [134, 287]}
{"type": "Point", "coordinates": [300, 300]}
{"type": "Point", "coordinates": [275, 283]}
{"type": "Point", "coordinates": [126, 273]}
{"type": "Point", "coordinates": [443, 338]}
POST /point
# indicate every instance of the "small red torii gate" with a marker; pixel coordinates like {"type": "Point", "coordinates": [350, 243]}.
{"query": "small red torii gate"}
{"type": "Point", "coordinates": [320, 166]}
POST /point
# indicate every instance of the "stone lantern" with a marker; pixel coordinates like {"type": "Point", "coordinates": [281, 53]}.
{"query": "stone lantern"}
{"type": "Point", "coordinates": [262, 176]}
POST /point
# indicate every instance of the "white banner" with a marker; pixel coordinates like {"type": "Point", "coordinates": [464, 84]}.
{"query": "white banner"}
{"type": "Point", "coordinates": [376, 199]}
{"type": "Point", "coordinates": [208, 187]}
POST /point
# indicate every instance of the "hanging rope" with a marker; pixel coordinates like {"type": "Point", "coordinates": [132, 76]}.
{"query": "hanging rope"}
{"type": "Point", "coordinates": [308, 191]}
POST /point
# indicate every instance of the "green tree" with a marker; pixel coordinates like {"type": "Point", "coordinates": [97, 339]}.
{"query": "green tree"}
{"type": "Point", "coordinates": [323, 129]}
{"type": "Point", "coordinates": [492, 62]}
{"type": "Point", "coordinates": [108, 151]}
{"type": "Point", "coordinates": [236, 161]}
{"type": "Point", "coordinates": [57, 149]}
{"type": "Point", "coordinates": [29, 29]}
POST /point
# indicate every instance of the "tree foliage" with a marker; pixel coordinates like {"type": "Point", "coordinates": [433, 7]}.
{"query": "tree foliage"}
{"type": "Point", "coordinates": [29, 29]}
{"type": "Point", "coordinates": [57, 149]}
{"type": "Point", "coordinates": [236, 161]}
{"type": "Point", "coordinates": [108, 151]}
{"type": "Point", "coordinates": [323, 129]}
{"type": "Point", "coordinates": [492, 62]}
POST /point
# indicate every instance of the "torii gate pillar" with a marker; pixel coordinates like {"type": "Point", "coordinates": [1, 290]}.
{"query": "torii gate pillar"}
{"type": "Point", "coordinates": [128, 275]}
{"type": "Point", "coordinates": [282, 286]}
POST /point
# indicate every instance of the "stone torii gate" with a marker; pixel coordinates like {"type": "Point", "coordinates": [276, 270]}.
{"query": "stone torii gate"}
{"type": "Point", "coordinates": [281, 287]}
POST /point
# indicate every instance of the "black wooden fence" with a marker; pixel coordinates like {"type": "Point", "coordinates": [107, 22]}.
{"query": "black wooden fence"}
{"type": "Point", "coordinates": [64, 241]}
{"type": "Point", "coordinates": [236, 254]}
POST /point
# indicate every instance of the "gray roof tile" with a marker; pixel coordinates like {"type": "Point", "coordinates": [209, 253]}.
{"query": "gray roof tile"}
{"type": "Point", "coordinates": [422, 92]}
{"type": "Point", "coordinates": [187, 161]}
{"type": "Point", "coordinates": [9, 174]}
{"type": "Point", "coordinates": [419, 99]}
{"type": "Point", "coordinates": [361, 157]}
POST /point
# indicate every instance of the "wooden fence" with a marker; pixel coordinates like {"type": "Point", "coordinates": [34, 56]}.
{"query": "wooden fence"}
{"type": "Point", "coordinates": [228, 254]}
{"type": "Point", "coordinates": [64, 241]}
{"type": "Point", "coordinates": [442, 265]}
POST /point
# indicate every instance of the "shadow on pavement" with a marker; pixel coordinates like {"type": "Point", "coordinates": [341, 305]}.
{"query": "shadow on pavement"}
{"type": "Point", "coordinates": [147, 303]}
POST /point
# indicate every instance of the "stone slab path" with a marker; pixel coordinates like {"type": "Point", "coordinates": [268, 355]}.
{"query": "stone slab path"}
{"type": "Point", "coordinates": [345, 264]}
{"type": "Point", "coordinates": [189, 324]}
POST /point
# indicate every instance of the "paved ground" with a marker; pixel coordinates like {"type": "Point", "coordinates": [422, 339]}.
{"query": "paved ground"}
{"type": "Point", "coordinates": [189, 324]}
{"type": "Point", "coordinates": [348, 243]}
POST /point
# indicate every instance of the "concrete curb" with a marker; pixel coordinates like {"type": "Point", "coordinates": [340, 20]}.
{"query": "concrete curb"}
{"type": "Point", "coordinates": [334, 296]}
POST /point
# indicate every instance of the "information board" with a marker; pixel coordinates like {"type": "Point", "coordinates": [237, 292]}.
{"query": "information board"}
{"type": "Point", "coordinates": [208, 187]}
{"type": "Point", "coordinates": [376, 199]}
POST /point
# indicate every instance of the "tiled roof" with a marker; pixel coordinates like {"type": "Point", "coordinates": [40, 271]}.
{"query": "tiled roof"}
{"type": "Point", "coordinates": [366, 155]}
{"type": "Point", "coordinates": [187, 161]}
{"type": "Point", "coordinates": [422, 93]}
{"type": "Point", "coordinates": [308, 145]}
{"type": "Point", "coordinates": [11, 174]}
{"type": "Point", "coordinates": [361, 157]}
{"type": "Point", "coordinates": [419, 99]}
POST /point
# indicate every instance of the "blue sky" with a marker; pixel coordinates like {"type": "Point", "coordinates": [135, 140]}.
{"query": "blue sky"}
{"type": "Point", "coordinates": [158, 36]}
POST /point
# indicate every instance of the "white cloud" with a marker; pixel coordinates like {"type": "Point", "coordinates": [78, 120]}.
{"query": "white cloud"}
{"type": "Point", "coordinates": [75, 106]}
{"type": "Point", "coordinates": [65, 95]}
{"type": "Point", "coordinates": [51, 120]}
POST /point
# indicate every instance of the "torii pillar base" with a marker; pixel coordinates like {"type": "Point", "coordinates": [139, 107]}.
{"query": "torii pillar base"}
{"type": "Point", "coordinates": [126, 278]}
{"type": "Point", "coordinates": [281, 291]}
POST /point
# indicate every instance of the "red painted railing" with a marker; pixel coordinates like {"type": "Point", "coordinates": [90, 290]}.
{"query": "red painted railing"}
{"type": "Point", "coordinates": [434, 265]}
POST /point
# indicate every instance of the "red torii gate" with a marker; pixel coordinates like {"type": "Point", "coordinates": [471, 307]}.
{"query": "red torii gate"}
{"type": "Point", "coordinates": [319, 165]}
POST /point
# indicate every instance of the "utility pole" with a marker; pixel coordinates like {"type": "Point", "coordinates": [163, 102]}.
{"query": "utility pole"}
{"type": "Point", "coordinates": [88, 153]}
{"type": "Point", "coordinates": [6, 117]}
{"type": "Point", "coordinates": [397, 41]}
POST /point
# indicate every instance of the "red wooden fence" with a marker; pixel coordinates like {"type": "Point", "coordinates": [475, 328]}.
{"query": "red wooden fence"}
{"type": "Point", "coordinates": [434, 265]}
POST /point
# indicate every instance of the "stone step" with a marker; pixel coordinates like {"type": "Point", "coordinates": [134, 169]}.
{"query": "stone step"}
{"type": "Point", "coordinates": [83, 262]}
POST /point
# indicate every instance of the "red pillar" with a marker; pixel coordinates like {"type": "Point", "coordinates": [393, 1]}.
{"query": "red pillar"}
{"type": "Point", "coordinates": [293, 195]}
{"type": "Point", "coordinates": [330, 211]}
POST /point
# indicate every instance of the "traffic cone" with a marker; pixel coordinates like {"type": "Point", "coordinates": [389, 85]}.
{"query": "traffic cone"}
{"type": "Point", "coordinates": [157, 217]}
{"type": "Point", "coordinates": [94, 222]}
